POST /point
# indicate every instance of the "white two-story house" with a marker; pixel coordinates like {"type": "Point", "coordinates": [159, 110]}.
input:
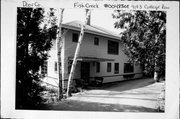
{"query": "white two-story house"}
{"type": "Point", "coordinates": [101, 56]}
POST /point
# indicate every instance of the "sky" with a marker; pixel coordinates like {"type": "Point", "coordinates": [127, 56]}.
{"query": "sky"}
{"type": "Point", "coordinates": [100, 17]}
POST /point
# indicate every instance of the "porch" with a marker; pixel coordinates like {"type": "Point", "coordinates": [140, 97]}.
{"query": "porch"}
{"type": "Point", "coordinates": [86, 69]}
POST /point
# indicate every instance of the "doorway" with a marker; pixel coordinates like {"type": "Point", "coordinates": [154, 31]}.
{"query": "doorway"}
{"type": "Point", "coordinates": [85, 71]}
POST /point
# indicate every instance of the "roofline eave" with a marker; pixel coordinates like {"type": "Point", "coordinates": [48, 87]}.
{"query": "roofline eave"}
{"type": "Point", "coordinates": [91, 32]}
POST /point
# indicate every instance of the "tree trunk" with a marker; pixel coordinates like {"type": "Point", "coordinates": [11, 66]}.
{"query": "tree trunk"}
{"type": "Point", "coordinates": [76, 55]}
{"type": "Point", "coordinates": [156, 73]}
{"type": "Point", "coordinates": [59, 39]}
{"type": "Point", "coordinates": [155, 76]}
{"type": "Point", "coordinates": [156, 68]}
{"type": "Point", "coordinates": [62, 58]}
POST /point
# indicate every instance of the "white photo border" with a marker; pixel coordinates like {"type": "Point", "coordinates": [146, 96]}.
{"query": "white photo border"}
{"type": "Point", "coordinates": [8, 63]}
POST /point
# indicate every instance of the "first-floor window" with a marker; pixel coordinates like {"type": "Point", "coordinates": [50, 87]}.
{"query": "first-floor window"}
{"type": "Point", "coordinates": [55, 66]}
{"type": "Point", "coordinates": [69, 66]}
{"type": "Point", "coordinates": [97, 67]}
{"type": "Point", "coordinates": [108, 67]}
{"type": "Point", "coordinates": [116, 68]}
{"type": "Point", "coordinates": [128, 67]}
{"type": "Point", "coordinates": [44, 69]}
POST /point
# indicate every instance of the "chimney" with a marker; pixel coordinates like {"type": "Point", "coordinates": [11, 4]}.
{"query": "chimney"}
{"type": "Point", "coordinates": [89, 20]}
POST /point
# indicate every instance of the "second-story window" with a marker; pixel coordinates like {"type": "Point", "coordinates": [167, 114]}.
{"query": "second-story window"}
{"type": "Point", "coordinates": [96, 41]}
{"type": "Point", "coordinates": [75, 37]}
{"type": "Point", "coordinates": [113, 47]}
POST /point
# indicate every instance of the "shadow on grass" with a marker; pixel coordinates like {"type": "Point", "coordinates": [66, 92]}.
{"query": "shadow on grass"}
{"type": "Point", "coordinates": [119, 97]}
{"type": "Point", "coordinates": [87, 106]}
{"type": "Point", "coordinates": [125, 85]}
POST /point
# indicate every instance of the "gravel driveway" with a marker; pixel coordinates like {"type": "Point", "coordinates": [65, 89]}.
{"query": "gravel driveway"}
{"type": "Point", "coordinates": [139, 93]}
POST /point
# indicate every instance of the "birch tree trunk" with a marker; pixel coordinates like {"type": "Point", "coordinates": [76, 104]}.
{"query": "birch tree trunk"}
{"type": "Point", "coordinates": [155, 63]}
{"type": "Point", "coordinates": [155, 70]}
{"type": "Point", "coordinates": [77, 54]}
{"type": "Point", "coordinates": [59, 40]}
{"type": "Point", "coordinates": [62, 56]}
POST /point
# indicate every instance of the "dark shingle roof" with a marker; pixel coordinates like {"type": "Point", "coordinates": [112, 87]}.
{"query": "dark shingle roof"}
{"type": "Point", "coordinates": [76, 25]}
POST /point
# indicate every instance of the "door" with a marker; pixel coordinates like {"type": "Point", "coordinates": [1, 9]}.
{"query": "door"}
{"type": "Point", "coordinates": [85, 71]}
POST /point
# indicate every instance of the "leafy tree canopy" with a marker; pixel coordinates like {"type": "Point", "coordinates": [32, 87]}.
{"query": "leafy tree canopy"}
{"type": "Point", "coordinates": [144, 38]}
{"type": "Point", "coordinates": [35, 32]}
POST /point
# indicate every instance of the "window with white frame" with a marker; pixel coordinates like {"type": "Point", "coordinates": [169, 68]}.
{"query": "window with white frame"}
{"type": "Point", "coordinates": [69, 66]}
{"type": "Point", "coordinates": [75, 37]}
{"type": "Point", "coordinates": [116, 68]}
{"type": "Point", "coordinates": [96, 41]}
{"type": "Point", "coordinates": [97, 67]}
{"type": "Point", "coordinates": [113, 47]}
{"type": "Point", "coordinates": [108, 67]}
{"type": "Point", "coordinates": [128, 67]}
{"type": "Point", "coordinates": [55, 67]}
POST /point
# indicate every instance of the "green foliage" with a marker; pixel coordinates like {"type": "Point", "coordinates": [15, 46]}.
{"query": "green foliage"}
{"type": "Point", "coordinates": [33, 44]}
{"type": "Point", "coordinates": [144, 38]}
